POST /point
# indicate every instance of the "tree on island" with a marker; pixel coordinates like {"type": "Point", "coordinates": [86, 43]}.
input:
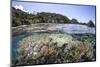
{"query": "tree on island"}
{"type": "Point", "coordinates": [74, 21]}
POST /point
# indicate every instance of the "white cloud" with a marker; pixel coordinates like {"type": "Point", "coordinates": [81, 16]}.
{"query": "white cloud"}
{"type": "Point", "coordinates": [19, 7]}
{"type": "Point", "coordinates": [22, 8]}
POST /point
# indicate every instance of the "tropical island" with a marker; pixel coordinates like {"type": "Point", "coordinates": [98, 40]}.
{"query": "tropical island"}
{"type": "Point", "coordinates": [21, 19]}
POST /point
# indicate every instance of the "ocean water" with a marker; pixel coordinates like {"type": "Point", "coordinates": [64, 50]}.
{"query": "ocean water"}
{"type": "Point", "coordinates": [63, 28]}
{"type": "Point", "coordinates": [76, 28]}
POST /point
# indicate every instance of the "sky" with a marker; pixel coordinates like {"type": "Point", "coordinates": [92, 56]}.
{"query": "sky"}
{"type": "Point", "coordinates": [80, 12]}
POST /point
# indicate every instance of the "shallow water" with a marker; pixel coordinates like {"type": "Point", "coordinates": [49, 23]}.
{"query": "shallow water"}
{"type": "Point", "coordinates": [63, 28]}
{"type": "Point", "coordinates": [76, 28]}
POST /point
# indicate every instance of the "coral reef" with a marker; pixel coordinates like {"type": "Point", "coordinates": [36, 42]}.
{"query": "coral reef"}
{"type": "Point", "coordinates": [53, 48]}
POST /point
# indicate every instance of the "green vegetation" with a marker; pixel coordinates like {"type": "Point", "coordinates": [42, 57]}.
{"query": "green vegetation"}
{"type": "Point", "coordinates": [20, 17]}
{"type": "Point", "coordinates": [74, 21]}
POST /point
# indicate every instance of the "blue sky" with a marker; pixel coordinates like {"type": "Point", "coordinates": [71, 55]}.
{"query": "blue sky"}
{"type": "Point", "coordinates": [81, 13]}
